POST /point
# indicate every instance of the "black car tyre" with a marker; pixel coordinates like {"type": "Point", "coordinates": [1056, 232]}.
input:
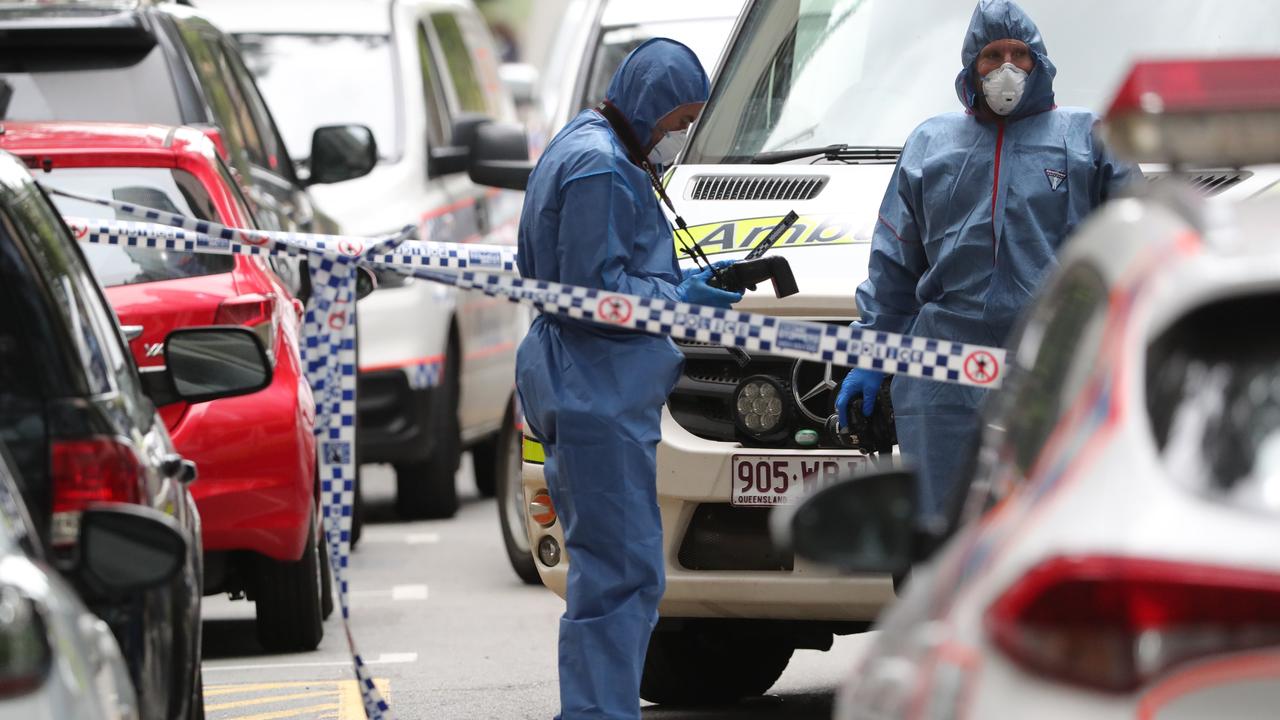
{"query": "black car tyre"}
{"type": "Point", "coordinates": [485, 464]}
{"type": "Point", "coordinates": [357, 509]}
{"type": "Point", "coordinates": [428, 490]}
{"type": "Point", "coordinates": [707, 662]}
{"type": "Point", "coordinates": [326, 578]}
{"type": "Point", "coordinates": [357, 502]}
{"type": "Point", "coordinates": [512, 508]}
{"type": "Point", "coordinates": [197, 699]}
{"type": "Point", "coordinates": [288, 601]}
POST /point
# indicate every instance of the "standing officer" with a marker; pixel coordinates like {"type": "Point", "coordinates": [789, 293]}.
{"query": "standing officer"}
{"type": "Point", "coordinates": [593, 395]}
{"type": "Point", "coordinates": [969, 229]}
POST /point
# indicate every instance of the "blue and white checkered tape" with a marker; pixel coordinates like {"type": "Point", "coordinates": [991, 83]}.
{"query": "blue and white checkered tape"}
{"type": "Point", "coordinates": [329, 339]}
{"type": "Point", "coordinates": [941, 360]}
{"type": "Point", "coordinates": [210, 236]}
{"type": "Point", "coordinates": [328, 355]}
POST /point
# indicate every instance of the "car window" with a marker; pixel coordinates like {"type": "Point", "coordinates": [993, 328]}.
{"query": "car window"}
{"type": "Point", "coordinates": [275, 156]}
{"type": "Point", "coordinates": [432, 91]}
{"type": "Point", "coordinates": [1213, 396]}
{"type": "Point", "coordinates": [98, 342]}
{"type": "Point", "coordinates": [175, 191]}
{"type": "Point", "coordinates": [706, 37]}
{"type": "Point", "coordinates": [58, 83]}
{"type": "Point", "coordinates": [810, 73]}
{"type": "Point", "coordinates": [359, 68]}
{"type": "Point", "coordinates": [467, 87]}
{"type": "Point", "coordinates": [33, 362]}
{"type": "Point", "coordinates": [1054, 354]}
{"type": "Point", "coordinates": [226, 102]}
{"type": "Point", "coordinates": [59, 269]}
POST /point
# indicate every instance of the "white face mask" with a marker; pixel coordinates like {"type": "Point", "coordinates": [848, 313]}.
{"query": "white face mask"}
{"type": "Point", "coordinates": [1003, 88]}
{"type": "Point", "coordinates": [668, 147]}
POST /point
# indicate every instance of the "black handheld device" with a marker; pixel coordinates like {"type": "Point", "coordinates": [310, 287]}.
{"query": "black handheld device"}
{"type": "Point", "coordinates": [755, 268]}
{"type": "Point", "coordinates": [876, 434]}
{"type": "Point", "coordinates": [742, 275]}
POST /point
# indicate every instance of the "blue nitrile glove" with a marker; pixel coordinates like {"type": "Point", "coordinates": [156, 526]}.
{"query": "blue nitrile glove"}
{"type": "Point", "coordinates": [859, 381]}
{"type": "Point", "coordinates": [719, 265]}
{"type": "Point", "coordinates": [695, 290]}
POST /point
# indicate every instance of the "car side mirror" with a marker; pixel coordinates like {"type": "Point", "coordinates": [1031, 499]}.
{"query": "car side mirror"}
{"type": "Point", "coordinates": [453, 159]}
{"type": "Point", "coordinates": [500, 157]}
{"type": "Point", "coordinates": [341, 152]}
{"type": "Point", "coordinates": [521, 80]}
{"type": "Point", "coordinates": [866, 524]}
{"type": "Point", "coordinates": [209, 363]}
{"type": "Point", "coordinates": [126, 548]}
{"type": "Point", "coordinates": [366, 282]}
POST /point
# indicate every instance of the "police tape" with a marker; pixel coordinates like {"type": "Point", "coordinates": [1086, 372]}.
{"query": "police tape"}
{"type": "Point", "coordinates": [186, 234]}
{"type": "Point", "coordinates": [328, 346]}
{"type": "Point", "coordinates": [327, 352]}
{"type": "Point", "coordinates": [940, 360]}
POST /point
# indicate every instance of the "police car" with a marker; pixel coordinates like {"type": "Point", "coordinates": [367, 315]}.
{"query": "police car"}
{"type": "Point", "coordinates": [811, 104]}
{"type": "Point", "coordinates": [1115, 551]}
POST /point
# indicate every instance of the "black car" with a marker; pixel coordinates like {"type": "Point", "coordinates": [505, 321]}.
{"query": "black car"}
{"type": "Point", "coordinates": [165, 64]}
{"type": "Point", "coordinates": [80, 423]}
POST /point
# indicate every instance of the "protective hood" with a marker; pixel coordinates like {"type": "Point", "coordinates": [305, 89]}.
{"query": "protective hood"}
{"type": "Point", "coordinates": [655, 79]}
{"type": "Point", "coordinates": [999, 20]}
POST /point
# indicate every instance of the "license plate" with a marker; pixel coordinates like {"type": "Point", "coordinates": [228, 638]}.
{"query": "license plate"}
{"type": "Point", "coordinates": [763, 480]}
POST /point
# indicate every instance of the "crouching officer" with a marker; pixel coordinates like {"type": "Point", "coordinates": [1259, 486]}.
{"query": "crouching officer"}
{"type": "Point", "coordinates": [593, 395]}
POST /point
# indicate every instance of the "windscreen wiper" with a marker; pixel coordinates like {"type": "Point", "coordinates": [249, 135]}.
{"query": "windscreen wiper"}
{"type": "Point", "coordinates": [837, 153]}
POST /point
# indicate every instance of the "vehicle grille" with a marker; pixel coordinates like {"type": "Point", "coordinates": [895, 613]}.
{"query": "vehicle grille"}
{"type": "Point", "coordinates": [723, 537]}
{"type": "Point", "coordinates": [1205, 182]}
{"type": "Point", "coordinates": [757, 187]}
{"type": "Point", "coordinates": [702, 401]}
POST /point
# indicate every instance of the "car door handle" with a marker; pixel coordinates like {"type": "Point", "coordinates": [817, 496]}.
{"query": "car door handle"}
{"type": "Point", "coordinates": [132, 332]}
{"type": "Point", "coordinates": [179, 468]}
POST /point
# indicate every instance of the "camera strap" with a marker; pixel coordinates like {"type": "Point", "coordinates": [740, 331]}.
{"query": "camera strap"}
{"type": "Point", "coordinates": [636, 154]}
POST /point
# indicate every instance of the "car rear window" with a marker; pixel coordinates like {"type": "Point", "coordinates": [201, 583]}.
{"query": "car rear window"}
{"type": "Point", "coordinates": [1213, 395]}
{"type": "Point", "coordinates": [176, 191]}
{"type": "Point", "coordinates": [61, 83]}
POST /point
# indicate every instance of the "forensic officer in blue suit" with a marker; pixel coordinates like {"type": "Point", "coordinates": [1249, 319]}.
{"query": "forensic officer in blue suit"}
{"type": "Point", "coordinates": [969, 229]}
{"type": "Point", "coordinates": [592, 395]}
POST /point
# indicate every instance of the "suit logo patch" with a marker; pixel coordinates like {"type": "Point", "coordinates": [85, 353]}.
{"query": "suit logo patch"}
{"type": "Point", "coordinates": [1055, 178]}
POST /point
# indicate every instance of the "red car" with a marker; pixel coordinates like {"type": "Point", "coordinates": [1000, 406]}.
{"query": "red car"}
{"type": "Point", "coordinates": [256, 490]}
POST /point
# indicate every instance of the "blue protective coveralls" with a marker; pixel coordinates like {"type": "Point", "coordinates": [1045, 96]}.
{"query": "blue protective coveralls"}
{"type": "Point", "coordinates": [593, 395]}
{"type": "Point", "coordinates": [969, 230]}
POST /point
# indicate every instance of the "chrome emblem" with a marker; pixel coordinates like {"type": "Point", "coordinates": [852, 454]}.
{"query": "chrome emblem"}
{"type": "Point", "coordinates": [814, 387]}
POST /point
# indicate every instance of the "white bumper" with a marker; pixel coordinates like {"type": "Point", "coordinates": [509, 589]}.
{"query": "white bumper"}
{"type": "Point", "coordinates": [692, 471]}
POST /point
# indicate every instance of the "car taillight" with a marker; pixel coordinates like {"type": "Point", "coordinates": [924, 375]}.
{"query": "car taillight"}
{"type": "Point", "coordinates": [1114, 623]}
{"type": "Point", "coordinates": [89, 471]}
{"type": "Point", "coordinates": [256, 312]}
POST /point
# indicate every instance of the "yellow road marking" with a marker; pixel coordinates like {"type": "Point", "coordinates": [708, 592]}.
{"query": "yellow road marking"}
{"type": "Point", "coordinates": [217, 690]}
{"type": "Point", "coordinates": [290, 713]}
{"type": "Point", "coordinates": [350, 706]}
{"type": "Point", "coordinates": [270, 699]}
{"type": "Point", "coordinates": [345, 704]}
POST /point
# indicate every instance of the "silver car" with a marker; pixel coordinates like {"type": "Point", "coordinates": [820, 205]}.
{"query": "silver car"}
{"type": "Point", "coordinates": [57, 659]}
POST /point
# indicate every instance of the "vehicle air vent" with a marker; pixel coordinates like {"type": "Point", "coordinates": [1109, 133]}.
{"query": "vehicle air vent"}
{"type": "Point", "coordinates": [1205, 182]}
{"type": "Point", "coordinates": [757, 187]}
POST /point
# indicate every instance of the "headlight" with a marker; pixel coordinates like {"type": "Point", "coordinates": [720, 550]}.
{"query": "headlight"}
{"type": "Point", "coordinates": [761, 408]}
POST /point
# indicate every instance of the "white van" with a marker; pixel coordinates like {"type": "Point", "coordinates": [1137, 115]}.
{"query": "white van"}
{"type": "Point", "coordinates": [808, 112]}
{"type": "Point", "coordinates": [437, 365]}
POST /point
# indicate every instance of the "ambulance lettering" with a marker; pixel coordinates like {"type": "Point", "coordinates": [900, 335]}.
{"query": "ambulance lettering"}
{"type": "Point", "coordinates": [743, 235]}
